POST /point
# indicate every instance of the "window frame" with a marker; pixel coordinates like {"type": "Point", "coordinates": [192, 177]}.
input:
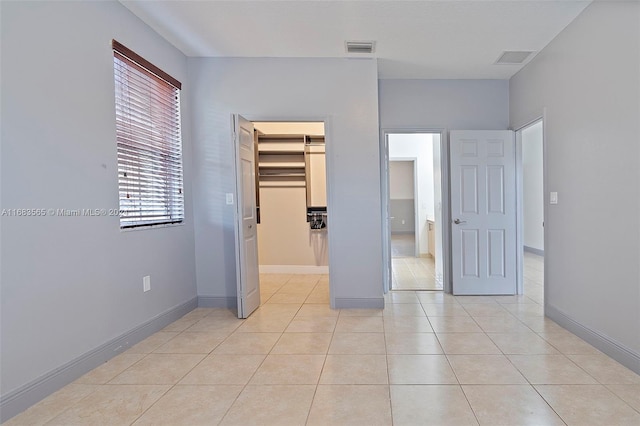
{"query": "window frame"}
{"type": "Point", "coordinates": [148, 141]}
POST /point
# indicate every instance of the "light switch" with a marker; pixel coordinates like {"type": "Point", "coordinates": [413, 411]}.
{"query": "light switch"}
{"type": "Point", "coordinates": [229, 198]}
{"type": "Point", "coordinates": [553, 198]}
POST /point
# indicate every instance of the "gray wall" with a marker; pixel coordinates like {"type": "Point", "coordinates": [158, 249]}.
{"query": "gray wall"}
{"type": "Point", "coordinates": [70, 284]}
{"type": "Point", "coordinates": [446, 104]}
{"type": "Point", "coordinates": [401, 196]}
{"type": "Point", "coordinates": [588, 79]}
{"type": "Point", "coordinates": [342, 91]}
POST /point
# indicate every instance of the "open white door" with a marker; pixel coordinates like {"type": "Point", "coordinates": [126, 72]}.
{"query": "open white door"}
{"type": "Point", "coordinates": [247, 272]}
{"type": "Point", "coordinates": [483, 212]}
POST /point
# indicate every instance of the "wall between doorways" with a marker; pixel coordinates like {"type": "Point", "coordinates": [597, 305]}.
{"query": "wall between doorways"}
{"type": "Point", "coordinates": [343, 91]}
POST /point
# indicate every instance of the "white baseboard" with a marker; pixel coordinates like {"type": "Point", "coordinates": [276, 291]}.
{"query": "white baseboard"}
{"type": "Point", "coordinates": [293, 269]}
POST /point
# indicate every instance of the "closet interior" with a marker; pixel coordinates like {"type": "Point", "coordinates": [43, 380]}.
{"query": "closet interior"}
{"type": "Point", "coordinates": [291, 197]}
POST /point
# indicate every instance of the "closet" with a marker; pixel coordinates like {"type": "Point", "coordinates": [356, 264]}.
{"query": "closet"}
{"type": "Point", "coordinates": [291, 197]}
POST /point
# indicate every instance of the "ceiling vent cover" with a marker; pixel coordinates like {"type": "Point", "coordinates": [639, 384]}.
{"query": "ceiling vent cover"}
{"type": "Point", "coordinates": [511, 57]}
{"type": "Point", "coordinates": [366, 47]}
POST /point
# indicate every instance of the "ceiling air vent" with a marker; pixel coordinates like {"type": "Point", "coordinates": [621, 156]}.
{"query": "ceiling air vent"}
{"type": "Point", "coordinates": [513, 57]}
{"type": "Point", "coordinates": [366, 47]}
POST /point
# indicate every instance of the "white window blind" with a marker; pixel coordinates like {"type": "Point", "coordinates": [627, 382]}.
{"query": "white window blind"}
{"type": "Point", "coordinates": [149, 142]}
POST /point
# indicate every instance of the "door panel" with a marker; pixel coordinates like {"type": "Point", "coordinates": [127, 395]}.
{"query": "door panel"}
{"type": "Point", "coordinates": [483, 210]}
{"type": "Point", "coordinates": [247, 272]}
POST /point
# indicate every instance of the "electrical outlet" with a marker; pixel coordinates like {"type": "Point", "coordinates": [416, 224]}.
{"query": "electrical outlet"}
{"type": "Point", "coordinates": [146, 283]}
{"type": "Point", "coordinates": [553, 198]}
{"type": "Point", "coordinates": [403, 221]}
{"type": "Point", "coordinates": [229, 198]}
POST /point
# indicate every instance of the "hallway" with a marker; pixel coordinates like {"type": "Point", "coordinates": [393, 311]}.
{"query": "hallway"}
{"type": "Point", "coordinates": [427, 358]}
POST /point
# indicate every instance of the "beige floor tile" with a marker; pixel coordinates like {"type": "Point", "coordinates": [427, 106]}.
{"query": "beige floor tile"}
{"type": "Point", "coordinates": [152, 342]}
{"type": "Point", "coordinates": [303, 343]}
{"type": "Point", "coordinates": [430, 405]}
{"type": "Point", "coordinates": [407, 325]}
{"type": "Point", "coordinates": [551, 369]}
{"type": "Point", "coordinates": [401, 297]}
{"type": "Point", "coordinates": [521, 343]}
{"type": "Point", "coordinates": [158, 369]}
{"type": "Point", "coordinates": [317, 310]}
{"type": "Point", "coordinates": [277, 310]}
{"type": "Point", "coordinates": [435, 297]}
{"type": "Point", "coordinates": [181, 325]}
{"type": "Point", "coordinates": [360, 312]}
{"type": "Point", "coordinates": [507, 300]}
{"type": "Point", "coordinates": [197, 314]}
{"type": "Point", "coordinates": [420, 370]}
{"type": "Point", "coordinates": [280, 297]}
{"type": "Point", "coordinates": [569, 343]}
{"type": "Point", "coordinates": [588, 405]}
{"type": "Point", "coordinates": [110, 369]}
{"type": "Point", "coordinates": [359, 325]}
{"type": "Point", "coordinates": [350, 405]}
{"type": "Point", "coordinates": [248, 343]}
{"type": "Point", "coordinates": [412, 344]}
{"type": "Point", "coordinates": [271, 406]}
{"type": "Point", "coordinates": [525, 310]}
{"type": "Point", "coordinates": [628, 393]}
{"type": "Point", "coordinates": [312, 325]}
{"type": "Point", "coordinates": [454, 325]}
{"type": "Point", "coordinates": [485, 370]}
{"type": "Point", "coordinates": [357, 343]}
{"type": "Point", "coordinates": [264, 324]}
{"type": "Point", "coordinates": [190, 406]}
{"type": "Point", "coordinates": [439, 405]}
{"type": "Point", "coordinates": [212, 324]}
{"type": "Point", "coordinates": [606, 370]}
{"type": "Point", "coordinates": [53, 405]}
{"type": "Point", "coordinates": [444, 310]}
{"type": "Point", "coordinates": [542, 325]}
{"type": "Point", "coordinates": [502, 324]}
{"type": "Point", "coordinates": [404, 310]}
{"type": "Point", "coordinates": [354, 370]}
{"type": "Point", "coordinates": [507, 405]}
{"type": "Point", "coordinates": [222, 313]}
{"type": "Point", "coordinates": [111, 405]}
{"type": "Point", "coordinates": [476, 299]}
{"type": "Point", "coordinates": [318, 297]}
{"type": "Point", "coordinates": [192, 343]}
{"type": "Point", "coordinates": [484, 309]}
{"type": "Point", "coordinates": [300, 289]}
{"type": "Point", "coordinates": [289, 370]}
{"type": "Point", "coordinates": [467, 343]}
{"type": "Point", "coordinates": [224, 370]}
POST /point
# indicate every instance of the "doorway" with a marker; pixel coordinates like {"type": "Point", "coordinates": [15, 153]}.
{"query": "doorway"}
{"type": "Point", "coordinates": [291, 204]}
{"type": "Point", "coordinates": [413, 198]}
{"type": "Point", "coordinates": [531, 159]}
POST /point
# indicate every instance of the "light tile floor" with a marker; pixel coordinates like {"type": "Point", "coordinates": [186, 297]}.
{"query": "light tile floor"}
{"type": "Point", "coordinates": [428, 358]}
{"type": "Point", "coordinates": [410, 272]}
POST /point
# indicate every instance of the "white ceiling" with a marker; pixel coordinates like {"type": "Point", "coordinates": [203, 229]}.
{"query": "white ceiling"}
{"type": "Point", "coordinates": [414, 39]}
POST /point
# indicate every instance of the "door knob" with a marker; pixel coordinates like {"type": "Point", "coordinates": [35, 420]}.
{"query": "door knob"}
{"type": "Point", "coordinates": [250, 226]}
{"type": "Point", "coordinates": [459, 222]}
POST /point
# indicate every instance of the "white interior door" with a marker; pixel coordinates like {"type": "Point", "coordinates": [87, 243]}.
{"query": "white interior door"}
{"type": "Point", "coordinates": [483, 212]}
{"type": "Point", "coordinates": [247, 269]}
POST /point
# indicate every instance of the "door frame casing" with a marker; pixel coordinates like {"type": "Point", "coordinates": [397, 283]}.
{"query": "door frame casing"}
{"type": "Point", "coordinates": [329, 162]}
{"type": "Point", "coordinates": [444, 190]}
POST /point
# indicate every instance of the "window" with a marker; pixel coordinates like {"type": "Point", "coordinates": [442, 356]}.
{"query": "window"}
{"type": "Point", "coordinates": [149, 142]}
